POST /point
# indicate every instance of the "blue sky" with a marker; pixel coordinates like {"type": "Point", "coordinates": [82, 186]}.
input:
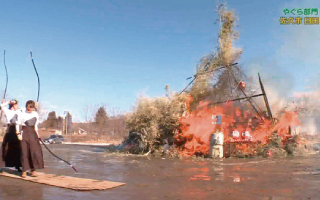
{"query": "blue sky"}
{"type": "Point", "coordinates": [109, 51]}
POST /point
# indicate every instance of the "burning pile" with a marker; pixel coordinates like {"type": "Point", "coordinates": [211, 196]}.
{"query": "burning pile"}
{"type": "Point", "coordinates": [241, 121]}
{"type": "Point", "coordinates": [237, 125]}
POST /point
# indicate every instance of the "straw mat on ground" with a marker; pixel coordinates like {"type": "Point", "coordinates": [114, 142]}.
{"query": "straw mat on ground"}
{"type": "Point", "coordinates": [67, 182]}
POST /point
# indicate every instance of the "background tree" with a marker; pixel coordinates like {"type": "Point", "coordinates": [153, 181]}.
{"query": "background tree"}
{"type": "Point", "coordinates": [86, 113]}
{"type": "Point", "coordinates": [101, 120]}
{"type": "Point", "coordinates": [51, 121]}
{"type": "Point", "coordinates": [116, 124]}
{"type": "Point", "coordinates": [69, 122]}
{"type": "Point", "coordinates": [42, 112]}
{"type": "Point", "coordinates": [60, 123]}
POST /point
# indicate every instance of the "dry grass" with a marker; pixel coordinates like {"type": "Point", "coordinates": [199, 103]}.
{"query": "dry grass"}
{"type": "Point", "coordinates": [156, 118]}
{"type": "Point", "coordinates": [92, 139]}
{"type": "Point", "coordinates": [227, 54]}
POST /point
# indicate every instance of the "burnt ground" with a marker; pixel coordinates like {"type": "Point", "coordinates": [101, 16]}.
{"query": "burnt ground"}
{"type": "Point", "coordinates": [156, 178]}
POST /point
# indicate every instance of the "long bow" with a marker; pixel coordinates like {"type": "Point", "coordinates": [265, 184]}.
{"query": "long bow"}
{"type": "Point", "coordinates": [4, 62]}
{"type": "Point", "coordinates": [35, 69]}
{"type": "Point", "coordinates": [5, 90]}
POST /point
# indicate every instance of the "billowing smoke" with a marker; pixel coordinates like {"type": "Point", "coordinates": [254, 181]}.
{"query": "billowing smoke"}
{"type": "Point", "coordinates": [310, 115]}
{"type": "Point", "coordinates": [278, 82]}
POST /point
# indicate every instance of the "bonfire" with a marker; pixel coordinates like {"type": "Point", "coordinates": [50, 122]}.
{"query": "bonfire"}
{"type": "Point", "coordinates": [219, 90]}
{"type": "Point", "coordinates": [240, 127]}
{"type": "Point", "coordinates": [245, 125]}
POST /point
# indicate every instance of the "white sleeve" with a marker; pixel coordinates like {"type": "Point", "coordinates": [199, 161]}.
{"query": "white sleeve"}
{"type": "Point", "coordinates": [4, 106]}
{"type": "Point", "coordinates": [20, 117]}
{"type": "Point", "coordinates": [37, 122]}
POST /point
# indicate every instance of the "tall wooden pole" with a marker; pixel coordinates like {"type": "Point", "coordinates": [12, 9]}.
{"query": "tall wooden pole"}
{"type": "Point", "coordinates": [67, 123]}
{"type": "Point", "coordinates": [266, 99]}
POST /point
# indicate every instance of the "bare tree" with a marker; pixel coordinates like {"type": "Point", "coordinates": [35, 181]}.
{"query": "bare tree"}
{"type": "Point", "coordinates": [93, 111]}
{"type": "Point", "coordinates": [42, 112]}
{"type": "Point", "coordinates": [86, 111]}
{"type": "Point", "coordinates": [116, 124]}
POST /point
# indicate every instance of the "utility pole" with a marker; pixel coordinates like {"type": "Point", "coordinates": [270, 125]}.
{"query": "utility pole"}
{"type": "Point", "coordinates": [66, 121]}
{"type": "Point", "coordinates": [167, 90]}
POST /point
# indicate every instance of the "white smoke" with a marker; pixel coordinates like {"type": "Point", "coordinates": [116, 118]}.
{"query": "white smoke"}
{"type": "Point", "coordinates": [310, 117]}
{"type": "Point", "coordinates": [278, 83]}
{"type": "Point", "coordinates": [308, 126]}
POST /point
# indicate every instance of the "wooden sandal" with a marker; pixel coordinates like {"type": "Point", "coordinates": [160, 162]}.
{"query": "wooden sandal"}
{"type": "Point", "coordinates": [34, 174]}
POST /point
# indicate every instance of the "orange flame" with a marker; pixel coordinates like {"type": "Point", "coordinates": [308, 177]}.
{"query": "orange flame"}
{"type": "Point", "coordinates": [197, 126]}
